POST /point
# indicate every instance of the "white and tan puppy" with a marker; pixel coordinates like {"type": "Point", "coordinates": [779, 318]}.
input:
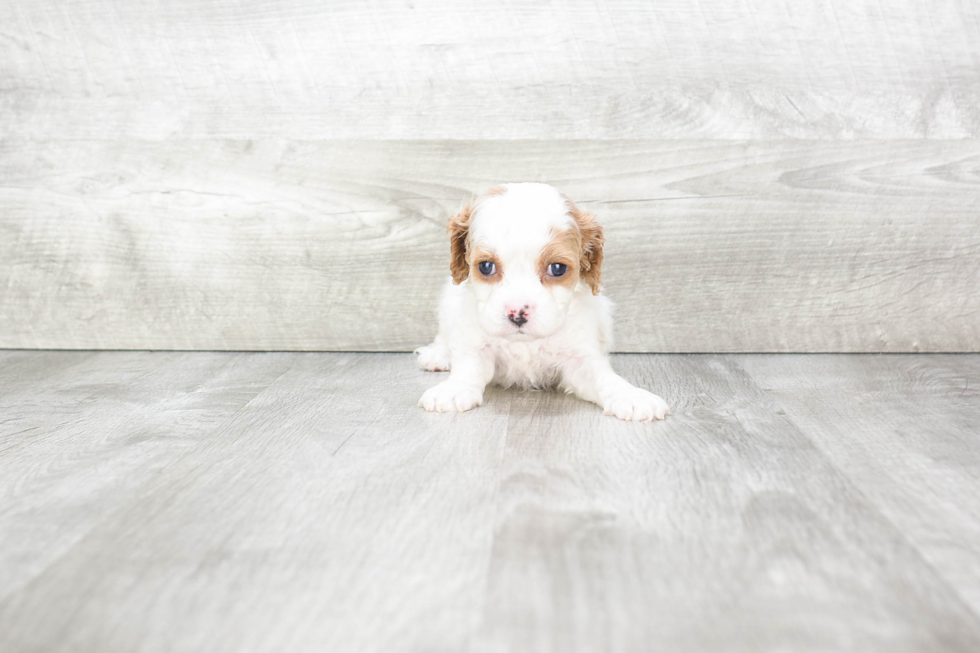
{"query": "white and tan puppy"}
{"type": "Point", "coordinates": [524, 306]}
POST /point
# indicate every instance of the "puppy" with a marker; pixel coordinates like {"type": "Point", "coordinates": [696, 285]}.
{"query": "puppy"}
{"type": "Point", "coordinates": [524, 306]}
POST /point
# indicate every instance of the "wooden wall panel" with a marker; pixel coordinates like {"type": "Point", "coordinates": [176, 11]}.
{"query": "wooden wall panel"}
{"type": "Point", "coordinates": [252, 175]}
{"type": "Point", "coordinates": [712, 245]}
{"type": "Point", "coordinates": [486, 69]}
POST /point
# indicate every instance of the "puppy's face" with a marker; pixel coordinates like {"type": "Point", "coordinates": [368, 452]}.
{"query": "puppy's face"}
{"type": "Point", "coordinates": [526, 249]}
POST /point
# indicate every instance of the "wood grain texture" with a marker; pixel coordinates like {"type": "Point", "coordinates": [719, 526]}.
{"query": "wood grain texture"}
{"type": "Point", "coordinates": [924, 411]}
{"type": "Point", "coordinates": [303, 502]}
{"type": "Point", "coordinates": [76, 442]}
{"type": "Point", "coordinates": [482, 69]}
{"type": "Point", "coordinates": [725, 530]}
{"type": "Point", "coordinates": [711, 246]}
{"type": "Point", "coordinates": [341, 517]}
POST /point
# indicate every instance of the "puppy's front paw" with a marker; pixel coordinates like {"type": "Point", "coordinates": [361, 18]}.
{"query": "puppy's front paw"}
{"type": "Point", "coordinates": [434, 357]}
{"type": "Point", "coordinates": [450, 396]}
{"type": "Point", "coordinates": [636, 404]}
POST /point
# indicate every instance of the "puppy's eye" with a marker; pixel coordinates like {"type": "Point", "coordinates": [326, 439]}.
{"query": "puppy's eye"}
{"type": "Point", "coordinates": [487, 268]}
{"type": "Point", "coordinates": [557, 269]}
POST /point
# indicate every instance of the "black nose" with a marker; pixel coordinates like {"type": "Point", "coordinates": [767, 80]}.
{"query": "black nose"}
{"type": "Point", "coordinates": [518, 319]}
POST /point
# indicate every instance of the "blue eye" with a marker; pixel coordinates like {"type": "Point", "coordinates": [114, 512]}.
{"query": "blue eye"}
{"type": "Point", "coordinates": [487, 268]}
{"type": "Point", "coordinates": [557, 269]}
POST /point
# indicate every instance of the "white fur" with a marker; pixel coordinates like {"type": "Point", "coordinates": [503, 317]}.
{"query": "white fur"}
{"type": "Point", "coordinates": [564, 344]}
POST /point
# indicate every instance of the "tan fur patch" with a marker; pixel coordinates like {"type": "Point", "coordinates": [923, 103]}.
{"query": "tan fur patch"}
{"type": "Point", "coordinates": [496, 190]}
{"type": "Point", "coordinates": [590, 262]}
{"type": "Point", "coordinates": [477, 256]}
{"type": "Point", "coordinates": [564, 247]}
{"type": "Point", "coordinates": [459, 231]}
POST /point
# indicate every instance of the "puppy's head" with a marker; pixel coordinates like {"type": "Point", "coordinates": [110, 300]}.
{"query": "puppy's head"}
{"type": "Point", "coordinates": [526, 250]}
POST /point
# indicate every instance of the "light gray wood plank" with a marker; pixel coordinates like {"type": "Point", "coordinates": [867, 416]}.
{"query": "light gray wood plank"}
{"type": "Point", "coordinates": [906, 431]}
{"type": "Point", "coordinates": [329, 514]}
{"type": "Point", "coordinates": [72, 451]}
{"type": "Point", "coordinates": [487, 70]}
{"type": "Point", "coordinates": [711, 246]}
{"type": "Point", "coordinates": [723, 528]}
{"type": "Point", "coordinates": [25, 372]}
{"type": "Point", "coordinates": [43, 390]}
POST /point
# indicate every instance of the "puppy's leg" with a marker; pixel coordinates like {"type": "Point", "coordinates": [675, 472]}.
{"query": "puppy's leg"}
{"type": "Point", "coordinates": [434, 357]}
{"type": "Point", "coordinates": [471, 372]}
{"type": "Point", "coordinates": [593, 379]}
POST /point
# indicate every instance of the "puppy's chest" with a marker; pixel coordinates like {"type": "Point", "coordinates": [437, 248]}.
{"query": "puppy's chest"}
{"type": "Point", "coordinates": [529, 365]}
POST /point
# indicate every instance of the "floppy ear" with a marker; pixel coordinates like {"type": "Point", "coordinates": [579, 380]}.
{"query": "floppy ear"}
{"type": "Point", "coordinates": [459, 228]}
{"type": "Point", "coordinates": [590, 263]}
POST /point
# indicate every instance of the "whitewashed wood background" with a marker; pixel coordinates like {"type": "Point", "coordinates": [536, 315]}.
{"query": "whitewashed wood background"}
{"type": "Point", "coordinates": [277, 175]}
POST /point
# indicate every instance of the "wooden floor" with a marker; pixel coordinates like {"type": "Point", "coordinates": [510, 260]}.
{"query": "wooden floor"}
{"type": "Point", "coordinates": [302, 502]}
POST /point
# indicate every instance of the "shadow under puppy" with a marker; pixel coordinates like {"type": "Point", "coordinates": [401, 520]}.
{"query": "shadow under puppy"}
{"type": "Point", "coordinates": [524, 306]}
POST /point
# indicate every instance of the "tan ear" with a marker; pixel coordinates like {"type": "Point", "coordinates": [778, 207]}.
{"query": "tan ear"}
{"type": "Point", "coordinates": [590, 266]}
{"type": "Point", "coordinates": [459, 228]}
